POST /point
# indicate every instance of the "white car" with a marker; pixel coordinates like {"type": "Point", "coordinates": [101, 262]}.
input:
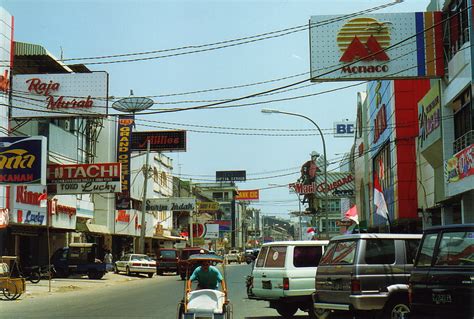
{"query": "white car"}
{"type": "Point", "coordinates": [135, 264]}
{"type": "Point", "coordinates": [233, 256]}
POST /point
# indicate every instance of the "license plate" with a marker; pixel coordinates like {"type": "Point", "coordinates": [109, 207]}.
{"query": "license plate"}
{"type": "Point", "coordinates": [441, 298]}
{"type": "Point", "coordinates": [267, 284]}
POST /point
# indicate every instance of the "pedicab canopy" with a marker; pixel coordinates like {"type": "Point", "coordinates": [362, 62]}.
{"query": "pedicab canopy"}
{"type": "Point", "coordinates": [197, 258]}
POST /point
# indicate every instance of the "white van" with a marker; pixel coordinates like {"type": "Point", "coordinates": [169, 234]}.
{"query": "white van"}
{"type": "Point", "coordinates": [284, 274]}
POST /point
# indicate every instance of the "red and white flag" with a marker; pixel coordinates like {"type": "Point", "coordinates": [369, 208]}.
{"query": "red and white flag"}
{"type": "Point", "coordinates": [379, 199]}
{"type": "Point", "coordinates": [43, 199]}
{"type": "Point", "coordinates": [351, 214]}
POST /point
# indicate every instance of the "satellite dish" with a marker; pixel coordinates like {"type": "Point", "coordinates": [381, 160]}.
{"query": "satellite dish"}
{"type": "Point", "coordinates": [133, 104]}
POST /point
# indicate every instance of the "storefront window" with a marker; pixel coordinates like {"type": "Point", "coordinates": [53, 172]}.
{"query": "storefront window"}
{"type": "Point", "coordinates": [463, 121]}
{"type": "Point", "coordinates": [455, 27]}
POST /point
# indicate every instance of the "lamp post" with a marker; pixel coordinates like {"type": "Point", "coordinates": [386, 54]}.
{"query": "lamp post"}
{"type": "Point", "coordinates": [270, 111]}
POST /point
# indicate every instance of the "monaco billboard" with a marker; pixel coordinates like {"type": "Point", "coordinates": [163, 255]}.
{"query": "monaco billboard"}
{"type": "Point", "coordinates": [374, 46]}
{"type": "Point", "coordinates": [60, 95]}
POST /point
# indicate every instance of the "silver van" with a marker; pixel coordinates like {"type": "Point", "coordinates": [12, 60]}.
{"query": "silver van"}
{"type": "Point", "coordinates": [364, 273]}
{"type": "Point", "coordinates": [284, 274]}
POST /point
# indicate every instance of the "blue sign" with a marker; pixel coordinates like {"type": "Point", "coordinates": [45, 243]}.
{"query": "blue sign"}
{"type": "Point", "coordinates": [344, 129]}
{"type": "Point", "coordinates": [23, 160]}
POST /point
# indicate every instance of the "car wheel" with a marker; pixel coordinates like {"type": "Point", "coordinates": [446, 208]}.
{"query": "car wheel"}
{"type": "Point", "coordinates": [159, 272]}
{"type": "Point", "coordinates": [396, 308]}
{"type": "Point", "coordinates": [34, 277]}
{"type": "Point", "coordinates": [127, 271]}
{"type": "Point", "coordinates": [286, 310]}
{"type": "Point", "coordinates": [150, 275]}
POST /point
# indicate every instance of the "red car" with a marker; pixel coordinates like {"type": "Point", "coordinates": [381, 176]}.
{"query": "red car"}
{"type": "Point", "coordinates": [167, 261]}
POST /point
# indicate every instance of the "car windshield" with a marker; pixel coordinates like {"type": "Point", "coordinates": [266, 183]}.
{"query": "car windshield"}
{"type": "Point", "coordinates": [140, 258]}
{"type": "Point", "coordinates": [168, 254]}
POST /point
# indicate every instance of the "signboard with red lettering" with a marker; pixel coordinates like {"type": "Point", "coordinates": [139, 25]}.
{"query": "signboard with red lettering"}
{"type": "Point", "coordinates": [374, 46]}
{"type": "Point", "coordinates": [252, 194]}
{"type": "Point", "coordinates": [461, 165]}
{"type": "Point", "coordinates": [160, 141]}
{"type": "Point", "coordinates": [23, 160]}
{"type": "Point", "coordinates": [84, 178]}
{"type": "Point", "coordinates": [60, 95]}
{"type": "Point", "coordinates": [124, 133]}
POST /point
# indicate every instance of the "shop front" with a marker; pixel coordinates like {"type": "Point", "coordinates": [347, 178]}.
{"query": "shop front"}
{"type": "Point", "coordinates": [127, 228]}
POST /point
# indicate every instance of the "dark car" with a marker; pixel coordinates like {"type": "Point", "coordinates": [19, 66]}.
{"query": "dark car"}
{"type": "Point", "coordinates": [167, 261]}
{"type": "Point", "coordinates": [184, 269]}
{"type": "Point", "coordinates": [366, 275]}
{"type": "Point", "coordinates": [442, 280]}
{"type": "Point", "coordinates": [251, 254]}
{"type": "Point", "coordinates": [78, 259]}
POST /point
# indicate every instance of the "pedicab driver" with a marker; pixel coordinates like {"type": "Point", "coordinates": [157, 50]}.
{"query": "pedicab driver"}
{"type": "Point", "coordinates": [208, 277]}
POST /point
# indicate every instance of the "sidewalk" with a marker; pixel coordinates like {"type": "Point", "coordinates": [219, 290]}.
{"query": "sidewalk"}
{"type": "Point", "coordinates": [75, 283]}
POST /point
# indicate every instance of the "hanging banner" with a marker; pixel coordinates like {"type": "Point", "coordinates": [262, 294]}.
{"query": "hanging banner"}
{"type": "Point", "coordinates": [252, 194]}
{"type": "Point", "coordinates": [171, 204]}
{"type": "Point", "coordinates": [84, 178]}
{"type": "Point", "coordinates": [376, 46]}
{"type": "Point", "coordinates": [461, 165]}
{"type": "Point", "coordinates": [23, 160]}
{"type": "Point", "coordinates": [124, 132]}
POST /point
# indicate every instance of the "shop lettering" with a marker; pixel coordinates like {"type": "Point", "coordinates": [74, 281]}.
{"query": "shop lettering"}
{"type": "Point", "coordinates": [41, 88]}
{"type": "Point", "coordinates": [175, 206]}
{"type": "Point", "coordinates": [429, 119]}
{"type": "Point", "coordinates": [160, 140]}
{"type": "Point", "coordinates": [336, 184]}
{"type": "Point", "coordinates": [84, 171]}
{"type": "Point", "coordinates": [124, 156]}
{"type": "Point", "coordinates": [34, 218]}
{"type": "Point", "coordinates": [4, 82]}
{"type": "Point", "coordinates": [300, 188]}
{"type": "Point", "coordinates": [16, 178]}
{"type": "Point", "coordinates": [90, 187]}
{"type": "Point", "coordinates": [156, 207]}
{"type": "Point", "coordinates": [67, 210]}
{"type": "Point", "coordinates": [60, 103]}
{"type": "Point", "coordinates": [122, 216]}
{"type": "Point", "coordinates": [380, 123]}
{"type": "Point", "coordinates": [26, 197]}
{"type": "Point", "coordinates": [365, 69]}
{"type": "Point", "coordinates": [15, 159]}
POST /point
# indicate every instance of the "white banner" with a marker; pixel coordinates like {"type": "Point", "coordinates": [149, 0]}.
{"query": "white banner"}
{"type": "Point", "coordinates": [171, 204]}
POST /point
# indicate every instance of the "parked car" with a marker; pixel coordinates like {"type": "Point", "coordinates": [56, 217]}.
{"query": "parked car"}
{"type": "Point", "coordinates": [366, 274]}
{"type": "Point", "coordinates": [184, 268]}
{"type": "Point", "coordinates": [442, 280]}
{"type": "Point", "coordinates": [233, 256]}
{"type": "Point", "coordinates": [284, 275]}
{"type": "Point", "coordinates": [167, 261]}
{"type": "Point", "coordinates": [78, 259]}
{"type": "Point", "coordinates": [135, 264]}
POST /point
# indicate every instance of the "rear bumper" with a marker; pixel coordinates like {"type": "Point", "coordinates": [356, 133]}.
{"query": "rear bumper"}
{"type": "Point", "coordinates": [144, 270]}
{"type": "Point", "coordinates": [357, 302]}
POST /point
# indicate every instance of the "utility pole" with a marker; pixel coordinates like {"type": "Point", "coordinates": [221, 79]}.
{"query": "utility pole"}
{"type": "Point", "coordinates": [145, 183]}
{"type": "Point", "coordinates": [191, 235]}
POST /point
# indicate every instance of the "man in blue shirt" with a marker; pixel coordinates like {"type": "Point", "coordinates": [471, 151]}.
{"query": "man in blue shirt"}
{"type": "Point", "coordinates": [208, 277]}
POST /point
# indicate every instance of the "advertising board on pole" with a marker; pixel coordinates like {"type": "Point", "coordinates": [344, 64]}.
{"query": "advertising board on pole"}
{"type": "Point", "coordinates": [375, 46]}
{"type": "Point", "coordinates": [252, 194]}
{"type": "Point", "coordinates": [23, 160]}
{"type": "Point", "coordinates": [231, 176]}
{"type": "Point", "coordinates": [84, 178]}
{"type": "Point", "coordinates": [60, 95]}
{"type": "Point", "coordinates": [160, 141]}
{"type": "Point", "coordinates": [124, 132]}
{"type": "Point", "coordinates": [207, 206]}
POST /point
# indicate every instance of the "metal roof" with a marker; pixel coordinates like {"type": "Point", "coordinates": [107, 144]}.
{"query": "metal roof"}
{"type": "Point", "coordinates": [35, 59]}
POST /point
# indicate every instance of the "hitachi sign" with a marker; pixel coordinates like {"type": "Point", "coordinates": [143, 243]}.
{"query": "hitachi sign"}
{"type": "Point", "coordinates": [84, 171]}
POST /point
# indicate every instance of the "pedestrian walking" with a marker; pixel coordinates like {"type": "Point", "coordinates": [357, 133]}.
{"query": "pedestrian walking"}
{"type": "Point", "coordinates": [108, 261]}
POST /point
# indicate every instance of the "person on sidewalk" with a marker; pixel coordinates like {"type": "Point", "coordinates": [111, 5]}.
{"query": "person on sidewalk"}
{"type": "Point", "coordinates": [208, 277]}
{"type": "Point", "coordinates": [108, 261]}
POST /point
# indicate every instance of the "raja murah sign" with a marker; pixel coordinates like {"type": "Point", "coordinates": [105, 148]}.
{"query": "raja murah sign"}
{"type": "Point", "coordinates": [60, 95]}
{"type": "Point", "coordinates": [84, 178]}
{"type": "Point", "coordinates": [374, 46]}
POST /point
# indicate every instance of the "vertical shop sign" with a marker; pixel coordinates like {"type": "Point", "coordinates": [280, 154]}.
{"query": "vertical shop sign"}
{"type": "Point", "coordinates": [124, 132]}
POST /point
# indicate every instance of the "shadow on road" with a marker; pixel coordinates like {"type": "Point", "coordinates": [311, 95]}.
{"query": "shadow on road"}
{"type": "Point", "coordinates": [274, 317]}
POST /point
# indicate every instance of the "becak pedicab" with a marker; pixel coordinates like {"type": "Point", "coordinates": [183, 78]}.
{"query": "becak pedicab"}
{"type": "Point", "coordinates": [206, 301]}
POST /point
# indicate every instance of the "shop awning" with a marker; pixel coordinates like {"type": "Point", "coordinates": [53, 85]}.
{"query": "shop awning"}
{"type": "Point", "coordinates": [92, 228]}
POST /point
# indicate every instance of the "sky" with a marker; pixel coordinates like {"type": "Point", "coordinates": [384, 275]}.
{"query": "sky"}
{"type": "Point", "coordinates": [237, 138]}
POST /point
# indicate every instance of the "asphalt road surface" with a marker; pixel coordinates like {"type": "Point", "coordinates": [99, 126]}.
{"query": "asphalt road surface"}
{"type": "Point", "coordinates": [157, 297]}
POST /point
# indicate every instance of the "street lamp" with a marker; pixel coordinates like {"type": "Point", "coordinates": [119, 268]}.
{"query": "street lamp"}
{"type": "Point", "coordinates": [270, 111]}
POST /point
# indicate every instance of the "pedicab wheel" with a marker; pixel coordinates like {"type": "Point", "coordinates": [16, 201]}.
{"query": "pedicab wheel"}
{"type": "Point", "coordinates": [180, 310]}
{"type": "Point", "coordinates": [9, 291]}
{"type": "Point", "coordinates": [226, 309]}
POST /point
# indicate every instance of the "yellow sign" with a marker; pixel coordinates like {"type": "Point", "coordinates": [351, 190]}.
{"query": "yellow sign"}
{"type": "Point", "coordinates": [207, 206]}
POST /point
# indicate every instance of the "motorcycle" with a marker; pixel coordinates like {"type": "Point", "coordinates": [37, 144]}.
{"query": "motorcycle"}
{"type": "Point", "coordinates": [35, 273]}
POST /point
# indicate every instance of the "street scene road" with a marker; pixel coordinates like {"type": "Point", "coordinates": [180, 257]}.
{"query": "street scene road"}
{"type": "Point", "coordinates": [139, 297]}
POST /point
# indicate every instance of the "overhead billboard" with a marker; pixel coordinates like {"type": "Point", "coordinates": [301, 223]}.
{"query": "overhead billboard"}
{"type": "Point", "coordinates": [374, 46]}
{"type": "Point", "coordinates": [231, 176]}
{"type": "Point", "coordinates": [207, 206]}
{"type": "Point", "coordinates": [344, 129]}
{"type": "Point", "coordinates": [160, 141]}
{"type": "Point", "coordinates": [84, 178]}
{"type": "Point", "coordinates": [60, 95]}
{"type": "Point", "coordinates": [23, 160]}
{"type": "Point", "coordinates": [252, 194]}
{"type": "Point", "coordinates": [124, 132]}
{"type": "Point", "coordinates": [171, 204]}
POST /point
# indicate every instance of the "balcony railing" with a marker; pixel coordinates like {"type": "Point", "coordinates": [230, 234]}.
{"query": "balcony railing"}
{"type": "Point", "coordinates": [463, 141]}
